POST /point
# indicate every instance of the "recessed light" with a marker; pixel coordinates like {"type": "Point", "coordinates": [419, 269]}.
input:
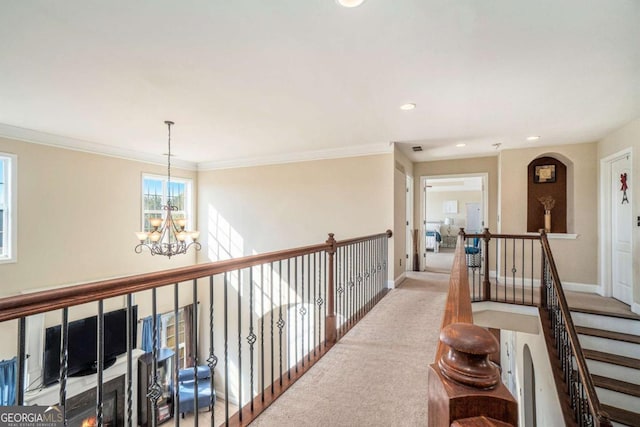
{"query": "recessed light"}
{"type": "Point", "coordinates": [407, 107]}
{"type": "Point", "coordinates": [461, 145]}
{"type": "Point", "coordinates": [533, 138]}
{"type": "Point", "coordinates": [350, 3]}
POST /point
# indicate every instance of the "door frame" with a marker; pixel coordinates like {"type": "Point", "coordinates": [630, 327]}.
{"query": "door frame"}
{"type": "Point", "coordinates": [606, 226]}
{"type": "Point", "coordinates": [423, 204]}
{"type": "Point", "coordinates": [409, 222]}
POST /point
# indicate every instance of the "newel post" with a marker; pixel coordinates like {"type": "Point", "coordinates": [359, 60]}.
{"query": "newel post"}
{"type": "Point", "coordinates": [486, 284]}
{"type": "Point", "coordinates": [464, 383]}
{"type": "Point", "coordinates": [330, 320]}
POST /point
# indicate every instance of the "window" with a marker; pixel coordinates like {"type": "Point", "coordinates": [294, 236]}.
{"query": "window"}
{"type": "Point", "coordinates": [168, 334]}
{"type": "Point", "coordinates": [8, 240]}
{"type": "Point", "coordinates": [155, 193]}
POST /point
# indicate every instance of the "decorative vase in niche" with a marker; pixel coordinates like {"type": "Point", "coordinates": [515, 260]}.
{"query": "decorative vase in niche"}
{"type": "Point", "coordinates": [547, 221]}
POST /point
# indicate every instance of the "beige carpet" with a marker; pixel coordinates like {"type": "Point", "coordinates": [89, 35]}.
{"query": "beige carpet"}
{"type": "Point", "coordinates": [377, 374]}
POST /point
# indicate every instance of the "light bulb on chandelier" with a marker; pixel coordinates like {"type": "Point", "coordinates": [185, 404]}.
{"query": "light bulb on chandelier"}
{"type": "Point", "coordinates": [168, 236]}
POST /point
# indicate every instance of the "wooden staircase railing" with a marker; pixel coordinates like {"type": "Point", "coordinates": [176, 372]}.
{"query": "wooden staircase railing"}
{"type": "Point", "coordinates": [464, 386]}
{"type": "Point", "coordinates": [262, 303]}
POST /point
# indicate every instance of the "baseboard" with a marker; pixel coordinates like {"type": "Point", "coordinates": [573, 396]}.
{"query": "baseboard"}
{"type": "Point", "coordinates": [589, 288]}
{"type": "Point", "coordinates": [635, 307]}
{"type": "Point", "coordinates": [582, 287]}
{"type": "Point", "coordinates": [232, 399]}
{"type": "Point", "coordinates": [392, 284]}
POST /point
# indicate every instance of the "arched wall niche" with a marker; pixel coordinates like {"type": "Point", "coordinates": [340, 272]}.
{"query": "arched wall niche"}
{"type": "Point", "coordinates": [550, 174]}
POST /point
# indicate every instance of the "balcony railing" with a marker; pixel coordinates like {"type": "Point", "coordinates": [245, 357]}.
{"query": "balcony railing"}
{"type": "Point", "coordinates": [255, 325]}
{"type": "Point", "coordinates": [520, 269]}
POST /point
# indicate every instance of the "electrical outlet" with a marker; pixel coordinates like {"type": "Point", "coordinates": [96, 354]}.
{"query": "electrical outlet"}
{"type": "Point", "coordinates": [400, 262]}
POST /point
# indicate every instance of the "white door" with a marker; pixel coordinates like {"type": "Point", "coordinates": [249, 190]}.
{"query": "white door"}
{"type": "Point", "coordinates": [474, 218]}
{"type": "Point", "coordinates": [621, 229]}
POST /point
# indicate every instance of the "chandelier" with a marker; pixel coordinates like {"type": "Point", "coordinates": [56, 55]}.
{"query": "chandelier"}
{"type": "Point", "coordinates": [168, 236]}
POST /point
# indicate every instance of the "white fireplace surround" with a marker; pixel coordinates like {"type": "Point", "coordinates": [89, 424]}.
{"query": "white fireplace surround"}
{"type": "Point", "coordinates": [38, 395]}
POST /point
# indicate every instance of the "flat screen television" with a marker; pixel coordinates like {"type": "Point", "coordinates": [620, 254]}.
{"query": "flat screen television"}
{"type": "Point", "coordinates": [82, 344]}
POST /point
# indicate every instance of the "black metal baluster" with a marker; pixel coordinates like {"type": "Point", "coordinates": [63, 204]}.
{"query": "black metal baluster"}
{"type": "Point", "coordinates": [271, 314]}
{"type": "Point", "coordinates": [251, 338]}
{"type": "Point", "coordinates": [532, 278]}
{"type": "Point", "coordinates": [194, 343]}
{"type": "Point", "coordinates": [226, 349]}
{"type": "Point", "coordinates": [326, 291]}
{"type": "Point", "coordinates": [280, 318]}
{"type": "Point", "coordinates": [22, 358]}
{"type": "Point", "coordinates": [340, 290]}
{"type": "Point", "coordinates": [154, 391]}
{"type": "Point", "coordinates": [302, 311]}
{"type": "Point", "coordinates": [240, 344]}
{"type": "Point", "coordinates": [309, 306]}
{"type": "Point", "coordinates": [312, 298]}
{"type": "Point", "coordinates": [212, 360]}
{"type": "Point", "coordinates": [295, 316]}
{"type": "Point", "coordinates": [100, 364]}
{"type": "Point", "coordinates": [513, 268]}
{"type": "Point", "coordinates": [320, 301]}
{"type": "Point", "coordinates": [264, 313]}
{"type": "Point", "coordinates": [131, 324]}
{"type": "Point", "coordinates": [176, 351]}
{"type": "Point", "coordinates": [64, 361]}
{"type": "Point", "coordinates": [281, 323]}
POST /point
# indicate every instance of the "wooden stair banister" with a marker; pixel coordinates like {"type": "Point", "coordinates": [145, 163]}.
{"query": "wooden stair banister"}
{"type": "Point", "coordinates": [464, 386]}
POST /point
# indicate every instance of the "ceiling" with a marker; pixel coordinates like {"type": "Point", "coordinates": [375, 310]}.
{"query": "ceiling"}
{"type": "Point", "coordinates": [268, 81]}
{"type": "Point", "coordinates": [451, 184]}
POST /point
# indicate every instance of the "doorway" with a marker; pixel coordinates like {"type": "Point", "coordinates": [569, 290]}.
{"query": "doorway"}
{"type": "Point", "coordinates": [617, 226]}
{"type": "Point", "coordinates": [448, 203]}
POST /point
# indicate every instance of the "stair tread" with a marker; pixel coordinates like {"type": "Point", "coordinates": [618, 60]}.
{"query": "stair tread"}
{"type": "Point", "coordinates": [629, 315]}
{"type": "Point", "coordinates": [622, 416]}
{"type": "Point", "coordinates": [616, 385]}
{"type": "Point", "coordinates": [619, 336]}
{"type": "Point", "coordinates": [612, 358]}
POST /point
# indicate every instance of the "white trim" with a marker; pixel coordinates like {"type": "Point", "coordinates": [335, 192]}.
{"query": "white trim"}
{"type": "Point", "coordinates": [305, 156]}
{"type": "Point", "coordinates": [557, 236]}
{"type": "Point", "coordinates": [606, 265]}
{"type": "Point", "coordinates": [11, 229]}
{"type": "Point", "coordinates": [587, 288]}
{"type": "Point", "coordinates": [392, 284]}
{"type": "Point", "coordinates": [43, 138]}
{"type": "Point", "coordinates": [635, 307]}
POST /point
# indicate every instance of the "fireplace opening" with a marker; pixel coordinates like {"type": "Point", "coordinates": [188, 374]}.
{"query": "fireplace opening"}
{"type": "Point", "coordinates": [81, 409]}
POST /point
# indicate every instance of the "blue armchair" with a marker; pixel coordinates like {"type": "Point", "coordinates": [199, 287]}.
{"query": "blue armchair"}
{"type": "Point", "coordinates": [187, 393]}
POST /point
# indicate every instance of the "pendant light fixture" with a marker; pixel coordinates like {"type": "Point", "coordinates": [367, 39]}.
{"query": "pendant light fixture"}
{"type": "Point", "coordinates": [168, 236]}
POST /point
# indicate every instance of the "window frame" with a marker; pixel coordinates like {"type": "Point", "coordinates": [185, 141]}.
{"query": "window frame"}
{"type": "Point", "coordinates": [9, 253]}
{"type": "Point", "coordinates": [188, 198]}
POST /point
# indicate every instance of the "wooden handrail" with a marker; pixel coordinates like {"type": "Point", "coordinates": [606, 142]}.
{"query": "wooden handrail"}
{"type": "Point", "coordinates": [18, 306]}
{"type": "Point", "coordinates": [458, 306]}
{"type": "Point", "coordinates": [463, 383]}
{"type": "Point", "coordinates": [594, 403]}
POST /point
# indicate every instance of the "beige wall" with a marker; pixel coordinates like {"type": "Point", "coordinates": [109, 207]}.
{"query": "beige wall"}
{"type": "Point", "coordinates": [77, 213]}
{"type": "Point", "coordinates": [576, 259]}
{"type": "Point", "coordinates": [259, 209]}
{"type": "Point", "coordinates": [435, 200]}
{"type": "Point", "coordinates": [488, 165]}
{"type": "Point", "coordinates": [624, 138]}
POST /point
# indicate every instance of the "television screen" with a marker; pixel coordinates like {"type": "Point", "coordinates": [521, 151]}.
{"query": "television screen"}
{"type": "Point", "coordinates": [82, 344]}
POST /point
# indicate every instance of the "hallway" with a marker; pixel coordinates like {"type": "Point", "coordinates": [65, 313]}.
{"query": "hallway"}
{"type": "Point", "coordinates": [376, 375]}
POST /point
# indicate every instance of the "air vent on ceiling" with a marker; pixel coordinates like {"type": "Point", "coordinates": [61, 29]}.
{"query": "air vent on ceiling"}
{"type": "Point", "coordinates": [417, 148]}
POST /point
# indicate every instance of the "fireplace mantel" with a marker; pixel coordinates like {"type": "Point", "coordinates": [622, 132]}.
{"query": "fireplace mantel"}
{"type": "Point", "coordinates": [76, 385]}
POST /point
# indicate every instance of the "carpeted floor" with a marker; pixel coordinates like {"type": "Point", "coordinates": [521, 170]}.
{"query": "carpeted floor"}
{"type": "Point", "coordinates": [377, 374]}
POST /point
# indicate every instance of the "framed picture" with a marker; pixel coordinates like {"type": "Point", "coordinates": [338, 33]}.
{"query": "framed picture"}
{"type": "Point", "coordinates": [545, 174]}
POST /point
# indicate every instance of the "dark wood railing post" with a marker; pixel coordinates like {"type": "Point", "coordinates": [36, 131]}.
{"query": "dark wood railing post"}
{"type": "Point", "coordinates": [543, 281]}
{"type": "Point", "coordinates": [330, 321]}
{"type": "Point", "coordinates": [486, 284]}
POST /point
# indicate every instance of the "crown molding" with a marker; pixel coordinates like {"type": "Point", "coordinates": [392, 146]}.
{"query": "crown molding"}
{"type": "Point", "coordinates": [43, 138]}
{"type": "Point", "coordinates": [295, 157]}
